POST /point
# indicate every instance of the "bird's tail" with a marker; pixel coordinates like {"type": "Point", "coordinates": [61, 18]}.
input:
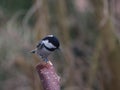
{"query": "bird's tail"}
{"type": "Point", "coordinates": [33, 51]}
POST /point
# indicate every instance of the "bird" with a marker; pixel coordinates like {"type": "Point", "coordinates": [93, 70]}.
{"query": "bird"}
{"type": "Point", "coordinates": [46, 46]}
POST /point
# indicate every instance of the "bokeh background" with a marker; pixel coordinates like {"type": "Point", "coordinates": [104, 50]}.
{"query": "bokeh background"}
{"type": "Point", "coordinates": [89, 33]}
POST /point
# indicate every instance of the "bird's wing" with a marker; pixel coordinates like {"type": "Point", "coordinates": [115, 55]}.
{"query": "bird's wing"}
{"type": "Point", "coordinates": [40, 45]}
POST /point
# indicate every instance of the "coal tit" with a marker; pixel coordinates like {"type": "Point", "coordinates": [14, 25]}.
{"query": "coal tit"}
{"type": "Point", "coordinates": [46, 46]}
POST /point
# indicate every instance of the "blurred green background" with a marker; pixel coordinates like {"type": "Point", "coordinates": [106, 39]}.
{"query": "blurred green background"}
{"type": "Point", "coordinates": [89, 33]}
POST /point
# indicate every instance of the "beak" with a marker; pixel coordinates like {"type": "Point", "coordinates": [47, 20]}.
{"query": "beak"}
{"type": "Point", "coordinates": [33, 51]}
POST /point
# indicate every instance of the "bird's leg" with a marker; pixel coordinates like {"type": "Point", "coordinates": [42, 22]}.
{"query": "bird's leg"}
{"type": "Point", "coordinates": [46, 60]}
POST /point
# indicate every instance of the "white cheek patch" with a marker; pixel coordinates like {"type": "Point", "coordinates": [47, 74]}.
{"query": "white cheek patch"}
{"type": "Point", "coordinates": [47, 44]}
{"type": "Point", "coordinates": [50, 35]}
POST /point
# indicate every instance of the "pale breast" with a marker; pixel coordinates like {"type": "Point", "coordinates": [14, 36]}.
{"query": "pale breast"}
{"type": "Point", "coordinates": [43, 52]}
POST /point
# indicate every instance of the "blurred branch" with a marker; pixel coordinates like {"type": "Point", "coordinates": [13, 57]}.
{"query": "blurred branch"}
{"type": "Point", "coordinates": [62, 21]}
{"type": "Point", "coordinates": [13, 19]}
{"type": "Point", "coordinates": [64, 32]}
{"type": "Point", "coordinates": [42, 23]}
{"type": "Point", "coordinates": [29, 14]}
{"type": "Point", "coordinates": [95, 63]}
{"type": "Point", "coordinates": [109, 45]}
{"type": "Point", "coordinates": [29, 71]}
{"type": "Point", "coordinates": [41, 27]}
